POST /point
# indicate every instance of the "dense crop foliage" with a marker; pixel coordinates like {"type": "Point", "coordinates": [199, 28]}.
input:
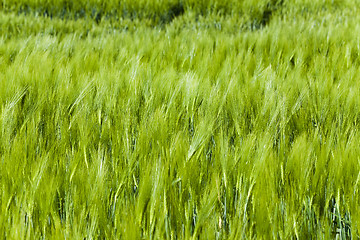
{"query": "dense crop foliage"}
{"type": "Point", "coordinates": [214, 125]}
{"type": "Point", "coordinates": [164, 11]}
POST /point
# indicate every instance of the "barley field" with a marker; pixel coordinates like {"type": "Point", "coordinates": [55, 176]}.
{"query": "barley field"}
{"type": "Point", "coordinates": [179, 119]}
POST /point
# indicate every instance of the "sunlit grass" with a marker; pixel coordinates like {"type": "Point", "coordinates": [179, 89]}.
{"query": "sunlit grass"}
{"type": "Point", "coordinates": [206, 127]}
